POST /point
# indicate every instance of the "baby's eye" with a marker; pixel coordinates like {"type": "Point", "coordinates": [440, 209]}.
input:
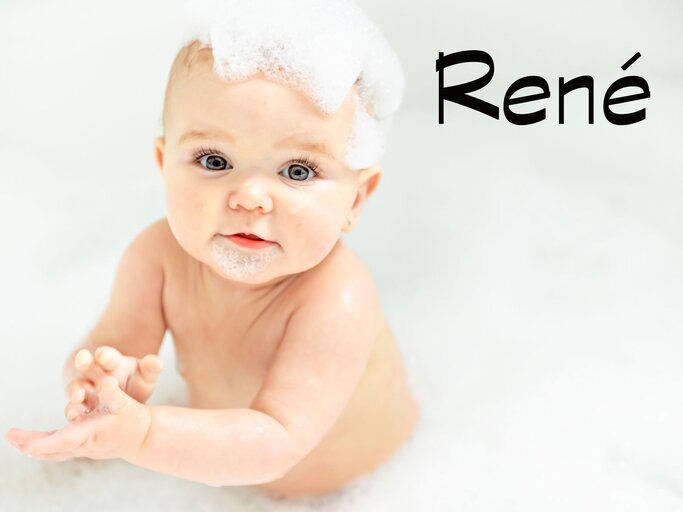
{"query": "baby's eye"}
{"type": "Point", "coordinates": [301, 171]}
{"type": "Point", "coordinates": [210, 159]}
{"type": "Point", "coordinates": [213, 162]}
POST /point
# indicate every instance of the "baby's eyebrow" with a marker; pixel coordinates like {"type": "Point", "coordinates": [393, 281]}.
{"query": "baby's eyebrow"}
{"type": "Point", "coordinates": [199, 134]}
{"type": "Point", "coordinates": [308, 145]}
{"type": "Point", "coordinates": [314, 146]}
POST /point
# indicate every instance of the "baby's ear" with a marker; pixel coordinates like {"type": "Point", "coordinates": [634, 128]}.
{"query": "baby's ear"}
{"type": "Point", "coordinates": [368, 179]}
{"type": "Point", "coordinates": [159, 145]}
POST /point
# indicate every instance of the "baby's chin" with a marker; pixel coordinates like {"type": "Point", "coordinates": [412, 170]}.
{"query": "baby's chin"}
{"type": "Point", "coordinates": [242, 264]}
{"type": "Point", "coordinates": [265, 265]}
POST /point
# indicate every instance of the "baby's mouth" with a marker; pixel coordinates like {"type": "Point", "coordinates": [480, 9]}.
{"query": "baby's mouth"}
{"type": "Point", "coordinates": [252, 237]}
{"type": "Point", "coordinates": [249, 240]}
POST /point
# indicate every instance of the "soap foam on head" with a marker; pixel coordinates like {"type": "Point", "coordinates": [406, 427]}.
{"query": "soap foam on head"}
{"type": "Point", "coordinates": [320, 47]}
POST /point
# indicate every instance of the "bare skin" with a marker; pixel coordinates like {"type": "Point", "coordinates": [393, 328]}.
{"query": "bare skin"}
{"type": "Point", "coordinates": [224, 356]}
{"type": "Point", "coordinates": [294, 377]}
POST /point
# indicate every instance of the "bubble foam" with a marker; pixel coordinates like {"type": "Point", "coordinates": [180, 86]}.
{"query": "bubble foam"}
{"type": "Point", "coordinates": [321, 47]}
{"type": "Point", "coordinates": [239, 263]}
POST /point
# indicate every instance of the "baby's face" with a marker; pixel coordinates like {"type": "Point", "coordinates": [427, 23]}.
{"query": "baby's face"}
{"type": "Point", "coordinates": [257, 157]}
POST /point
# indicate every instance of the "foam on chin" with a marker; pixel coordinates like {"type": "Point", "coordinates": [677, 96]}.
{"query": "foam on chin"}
{"type": "Point", "coordinates": [237, 263]}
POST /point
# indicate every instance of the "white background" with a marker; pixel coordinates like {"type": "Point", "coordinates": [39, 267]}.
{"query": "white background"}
{"type": "Point", "coordinates": [532, 274]}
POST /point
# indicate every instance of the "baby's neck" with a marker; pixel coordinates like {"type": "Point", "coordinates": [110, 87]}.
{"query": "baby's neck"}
{"type": "Point", "coordinates": [225, 292]}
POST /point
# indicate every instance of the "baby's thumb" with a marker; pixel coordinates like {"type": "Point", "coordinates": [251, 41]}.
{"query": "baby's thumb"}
{"type": "Point", "coordinates": [112, 397]}
{"type": "Point", "coordinates": [150, 367]}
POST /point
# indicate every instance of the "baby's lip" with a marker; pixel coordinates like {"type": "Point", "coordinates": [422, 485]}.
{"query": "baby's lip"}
{"type": "Point", "coordinates": [250, 235]}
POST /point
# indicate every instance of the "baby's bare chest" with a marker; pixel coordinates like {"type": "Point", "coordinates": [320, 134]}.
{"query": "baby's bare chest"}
{"type": "Point", "coordinates": [223, 357]}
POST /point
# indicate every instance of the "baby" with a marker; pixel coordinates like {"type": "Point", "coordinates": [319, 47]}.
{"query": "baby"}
{"type": "Point", "coordinates": [294, 379]}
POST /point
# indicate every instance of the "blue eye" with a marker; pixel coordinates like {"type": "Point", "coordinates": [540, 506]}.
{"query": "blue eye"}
{"type": "Point", "coordinates": [298, 172]}
{"type": "Point", "coordinates": [211, 159]}
{"type": "Point", "coordinates": [300, 169]}
{"type": "Point", "coordinates": [213, 162]}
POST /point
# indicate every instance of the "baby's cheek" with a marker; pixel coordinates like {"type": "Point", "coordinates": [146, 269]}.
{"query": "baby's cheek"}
{"type": "Point", "coordinates": [315, 228]}
{"type": "Point", "coordinates": [185, 213]}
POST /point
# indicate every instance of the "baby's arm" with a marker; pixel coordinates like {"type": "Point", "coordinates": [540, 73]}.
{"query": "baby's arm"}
{"type": "Point", "coordinates": [324, 353]}
{"type": "Point", "coordinates": [319, 363]}
{"type": "Point", "coordinates": [133, 322]}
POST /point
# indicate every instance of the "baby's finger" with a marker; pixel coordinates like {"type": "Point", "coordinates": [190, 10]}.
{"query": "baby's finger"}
{"type": "Point", "coordinates": [17, 436]}
{"type": "Point", "coordinates": [108, 357]}
{"type": "Point", "coordinates": [73, 411]}
{"type": "Point", "coordinates": [83, 359]}
{"type": "Point", "coordinates": [150, 367]}
{"type": "Point", "coordinates": [91, 399]}
{"type": "Point", "coordinates": [73, 390]}
{"type": "Point", "coordinates": [83, 362]}
{"type": "Point", "coordinates": [82, 391]}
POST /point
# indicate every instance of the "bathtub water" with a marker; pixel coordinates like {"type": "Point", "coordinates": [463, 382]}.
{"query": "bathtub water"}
{"type": "Point", "coordinates": [533, 279]}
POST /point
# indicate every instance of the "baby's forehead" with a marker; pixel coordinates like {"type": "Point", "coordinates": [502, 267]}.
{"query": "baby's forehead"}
{"type": "Point", "coordinates": [197, 87]}
{"type": "Point", "coordinates": [196, 64]}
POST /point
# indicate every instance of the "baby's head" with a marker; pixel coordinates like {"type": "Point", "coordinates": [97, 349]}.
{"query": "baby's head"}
{"type": "Point", "coordinates": [274, 121]}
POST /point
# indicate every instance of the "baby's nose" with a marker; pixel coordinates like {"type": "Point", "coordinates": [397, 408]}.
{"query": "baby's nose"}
{"type": "Point", "coordinates": [251, 194]}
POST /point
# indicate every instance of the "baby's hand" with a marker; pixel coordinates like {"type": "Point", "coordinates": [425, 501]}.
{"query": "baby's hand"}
{"type": "Point", "coordinates": [137, 378]}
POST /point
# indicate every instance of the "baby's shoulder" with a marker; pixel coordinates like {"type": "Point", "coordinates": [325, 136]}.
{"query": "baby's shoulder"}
{"type": "Point", "coordinates": [162, 245]}
{"type": "Point", "coordinates": [161, 231]}
{"type": "Point", "coordinates": [341, 277]}
{"type": "Point", "coordinates": [156, 232]}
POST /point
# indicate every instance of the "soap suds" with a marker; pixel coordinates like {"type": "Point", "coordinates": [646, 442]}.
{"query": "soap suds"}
{"type": "Point", "coordinates": [320, 47]}
{"type": "Point", "coordinates": [238, 263]}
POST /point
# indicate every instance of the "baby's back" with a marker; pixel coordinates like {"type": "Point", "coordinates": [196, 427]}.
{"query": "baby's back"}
{"type": "Point", "coordinates": [224, 352]}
